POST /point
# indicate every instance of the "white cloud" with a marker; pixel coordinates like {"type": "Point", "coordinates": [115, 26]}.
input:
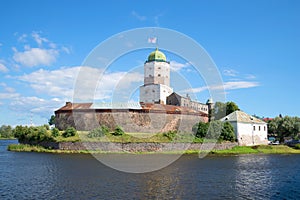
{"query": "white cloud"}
{"type": "Point", "coordinates": [232, 85]}
{"type": "Point", "coordinates": [230, 72]}
{"type": "Point", "coordinates": [40, 106]}
{"type": "Point", "coordinates": [176, 66]}
{"type": "Point", "coordinates": [38, 39]}
{"type": "Point", "coordinates": [22, 38]}
{"type": "Point", "coordinates": [8, 95]}
{"type": "Point", "coordinates": [250, 76]}
{"type": "Point", "coordinates": [138, 16]}
{"type": "Point", "coordinates": [85, 81]}
{"type": "Point", "coordinates": [240, 85]}
{"type": "Point", "coordinates": [3, 68]}
{"type": "Point", "coordinates": [36, 56]}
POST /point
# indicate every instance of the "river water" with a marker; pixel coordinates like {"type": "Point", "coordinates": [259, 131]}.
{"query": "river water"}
{"type": "Point", "coordinates": [80, 176]}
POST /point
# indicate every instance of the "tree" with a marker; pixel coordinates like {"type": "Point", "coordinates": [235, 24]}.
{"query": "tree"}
{"type": "Point", "coordinates": [231, 107]}
{"type": "Point", "coordinates": [52, 120]}
{"type": "Point", "coordinates": [200, 129]}
{"type": "Point", "coordinates": [220, 110]}
{"type": "Point", "coordinates": [118, 131]}
{"type": "Point", "coordinates": [214, 129]}
{"type": "Point", "coordinates": [282, 127]}
{"type": "Point", "coordinates": [69, 132]}
{"type": "Point", "coordinates": [227, 132]}
{"type": "Point", "coordinates": [6, 131]}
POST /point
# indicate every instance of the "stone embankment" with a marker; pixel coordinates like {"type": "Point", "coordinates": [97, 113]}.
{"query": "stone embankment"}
{"type": "Point", "coordinates": [132, 147]}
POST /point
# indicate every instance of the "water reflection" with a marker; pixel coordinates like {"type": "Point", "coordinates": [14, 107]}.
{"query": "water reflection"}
{"type": "Point", "coordinates": [254, 176]}
{"type": "Point", "coordinates": [77, 176]}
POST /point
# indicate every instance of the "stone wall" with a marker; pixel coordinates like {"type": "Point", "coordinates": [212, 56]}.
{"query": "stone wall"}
{"type": "Point", "coordinates": [134, 147]}
{"type": "Point", "coordinates": [130, 121]}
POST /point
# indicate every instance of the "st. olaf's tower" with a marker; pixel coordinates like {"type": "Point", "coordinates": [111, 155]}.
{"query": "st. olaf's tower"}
{"type": "Point", "coordinates": [156, 86]}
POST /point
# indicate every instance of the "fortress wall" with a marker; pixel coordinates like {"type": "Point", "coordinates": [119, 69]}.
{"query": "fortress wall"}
{"type": "Point", "coordinates": [130, 121]}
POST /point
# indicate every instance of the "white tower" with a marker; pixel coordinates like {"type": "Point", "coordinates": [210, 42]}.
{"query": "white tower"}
{"type": "Point", "coordinates": [156, 86]}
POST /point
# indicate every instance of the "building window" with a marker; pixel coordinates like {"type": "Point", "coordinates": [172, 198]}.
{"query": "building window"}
{"type": "Point", "coordinates": [153, 90]}
{"type": "Point", "coordinates": [158, 74]}
{"type": "Point", "coordinates": [264, 128]}
{"type": "Point", "coordinates": [259, 128]}
{"type": "Point", "coordinates": [254, 128]}
{"type": "Point", "coordinates": [159, 68]}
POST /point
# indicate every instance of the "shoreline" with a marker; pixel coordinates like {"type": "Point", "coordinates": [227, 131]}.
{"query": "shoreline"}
{"type": "Point", "coordinates": [237, 150]}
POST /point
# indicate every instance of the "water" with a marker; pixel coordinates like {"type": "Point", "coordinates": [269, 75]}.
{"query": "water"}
{"type": "Point", "coordinates": [76, 176]}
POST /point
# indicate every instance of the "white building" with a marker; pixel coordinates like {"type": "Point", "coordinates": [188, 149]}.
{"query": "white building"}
{"type": "Point", "coordinates": [249, 130]}
{"type": "Point", "coordinates": [156, 86]}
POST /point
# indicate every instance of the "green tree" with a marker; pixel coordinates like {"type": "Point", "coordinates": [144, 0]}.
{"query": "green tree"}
{"type": "Point", "coordinates": [227, 132]}
{"type": "Point", "coordinates": [231, 107]}
{"type": "Point", "coordinates": [200, 129]}
{"type": "Point", "coordinates": [52, 120]}
{"type": "Point", "coordinates": [118, 131]}
{"type": "Point", "coordinates": [6, 131]}
{"type": "Point", "coordinates": [214, 130]}
{"type": "Point", "coordinates": [281, 127]}
{"type": "Point", "coordinates": [69, 132]}
{"type": "Point", "coordinates": [55, 132]}
{"type": "Point", "coordinates": [220, 110]}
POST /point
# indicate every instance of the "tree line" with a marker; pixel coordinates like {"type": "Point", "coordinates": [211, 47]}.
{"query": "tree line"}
{"type": "Point", "coordinates": [284, 127]}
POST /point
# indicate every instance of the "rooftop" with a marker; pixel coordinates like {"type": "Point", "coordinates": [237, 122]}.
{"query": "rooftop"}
{"type": "Point", "coordinates": [239, 116]}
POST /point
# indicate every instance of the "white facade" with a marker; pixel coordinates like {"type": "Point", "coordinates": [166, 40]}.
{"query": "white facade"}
{"type": "Point", "coordinates": [249, 130]}
{"type": "Point", "coordinates": [157, 73]}
{"type": "Point", "coordinates": [154, 93]}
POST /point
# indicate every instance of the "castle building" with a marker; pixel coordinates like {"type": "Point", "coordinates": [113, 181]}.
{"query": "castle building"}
{"type": "Point", "coordinates": [177, 100]}
{"type": "Point", "coordinates": [156, 86]}
{"type": "Point", "coordinates": [159, 109]}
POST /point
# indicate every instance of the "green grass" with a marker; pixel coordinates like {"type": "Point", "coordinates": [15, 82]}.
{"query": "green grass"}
{"type": "Point", "coordinates": [280, 149]}
{"type": "Point", "coordinates": [136, 138]}
{"type": "Point", "coordinates": [265, 149]}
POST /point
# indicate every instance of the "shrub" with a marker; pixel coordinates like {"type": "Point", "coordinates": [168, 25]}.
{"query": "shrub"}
{"type": "Point", "coordinates": [69, 132]}
{"type": "Point", "coordinates": [55, 132]}
{"type": "Point", "coordinates": [297, 146]}
{"type": "Point", "coordinates": [118, 131]}
{"type": "Point", "coordinates": [98, 132]}
{"type": "Point", "coordinates": [200, 129]}
{"type": "Point", "coordinates": [227, 132]}
{"type": "Point", "coordinates": [170, 134]}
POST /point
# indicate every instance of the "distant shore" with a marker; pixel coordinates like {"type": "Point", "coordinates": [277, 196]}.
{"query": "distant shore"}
{"type": "Point", "coordinates": [263, 149]}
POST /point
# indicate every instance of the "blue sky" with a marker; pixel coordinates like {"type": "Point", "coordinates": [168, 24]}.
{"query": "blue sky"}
{"type": "Point", "coordinates": [255, 45]}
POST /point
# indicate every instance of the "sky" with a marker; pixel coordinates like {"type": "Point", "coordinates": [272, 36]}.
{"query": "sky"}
{"type": "Point", "coordinates": [255, 46]}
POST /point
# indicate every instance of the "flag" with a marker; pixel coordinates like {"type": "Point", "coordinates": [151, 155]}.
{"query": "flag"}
{"type": "Point", "coordinates": [152, 40]}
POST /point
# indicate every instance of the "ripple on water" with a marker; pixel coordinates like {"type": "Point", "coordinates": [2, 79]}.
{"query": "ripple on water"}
{"type": "Point", "coordinates": [74, 176]}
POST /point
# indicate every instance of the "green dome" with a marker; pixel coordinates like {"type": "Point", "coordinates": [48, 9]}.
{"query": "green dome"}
{"type": "Point", "coordinates": [157, 56]}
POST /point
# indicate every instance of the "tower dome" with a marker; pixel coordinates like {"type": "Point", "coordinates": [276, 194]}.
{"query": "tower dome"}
{"type": "Point", "coordinates": [157, 56]}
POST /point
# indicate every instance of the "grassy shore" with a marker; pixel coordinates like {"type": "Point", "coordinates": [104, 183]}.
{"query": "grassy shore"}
{"type": "Point", "coordinates": [278, 149]}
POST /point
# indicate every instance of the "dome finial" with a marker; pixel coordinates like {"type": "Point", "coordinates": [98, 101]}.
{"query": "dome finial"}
{"type": "Point", "coordinates": [157, 55]}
